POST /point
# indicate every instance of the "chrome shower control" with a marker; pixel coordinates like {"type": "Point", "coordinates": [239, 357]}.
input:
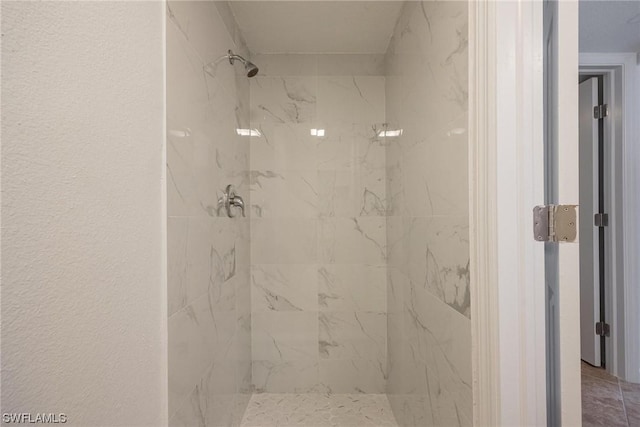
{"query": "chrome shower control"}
{"type": "Point", "coordinates": [228, 200]}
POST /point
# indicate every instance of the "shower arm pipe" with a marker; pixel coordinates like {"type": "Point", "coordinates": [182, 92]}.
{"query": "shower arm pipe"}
{"type": "Point", "coordinates": [249, 66]}
{"type": "Point", "coordinates": [232, 57]}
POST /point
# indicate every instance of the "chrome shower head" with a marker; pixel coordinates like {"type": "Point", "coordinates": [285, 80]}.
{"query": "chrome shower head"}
{"type": "Point", "coordinates": [249, 66]}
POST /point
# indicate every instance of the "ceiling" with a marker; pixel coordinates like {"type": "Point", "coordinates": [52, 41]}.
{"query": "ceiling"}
{"type": "Point", "coordinates": [610, 26]}
{"type": "Point", "coordinates": [316, 26]}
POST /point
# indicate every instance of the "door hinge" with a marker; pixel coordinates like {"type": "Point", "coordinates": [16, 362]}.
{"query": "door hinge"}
{"type": "Point", "coordinates": [601, 220]}
{"type": "Point", "coordinates": [555, 223]}
{"type": "Point", "coordinates": [600, 111]}
{"type": "Point", "coordinates": [602, 329]}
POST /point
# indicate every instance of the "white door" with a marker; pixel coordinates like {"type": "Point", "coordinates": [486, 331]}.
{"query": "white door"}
{"type": "Point", "coordinates": [561, 183]}
{"type": "Point", "coordinates": [589, 234]}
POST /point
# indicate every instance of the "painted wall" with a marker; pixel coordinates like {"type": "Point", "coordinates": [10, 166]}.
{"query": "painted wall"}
{"type": "Point", "coordinates": [429, 328]}
{"type": "Point", "coordinates": [208, 252]}
{"type": "Point", "coordinates": [83, 293]}
{"type": "Point", "coordinates": [318, 240]}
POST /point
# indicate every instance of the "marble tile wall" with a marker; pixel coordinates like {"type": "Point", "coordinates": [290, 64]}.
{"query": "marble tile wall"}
{"type": "Point", "coordinates": [428, 323]}
{"type": "Point", "coordinates": [318, 227]}
{"type": "Point", "coordinates": [209, 299]}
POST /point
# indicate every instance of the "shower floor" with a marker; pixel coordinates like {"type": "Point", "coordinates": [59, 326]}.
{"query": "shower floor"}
{"type": "Point", "coordinates": [318, 410]}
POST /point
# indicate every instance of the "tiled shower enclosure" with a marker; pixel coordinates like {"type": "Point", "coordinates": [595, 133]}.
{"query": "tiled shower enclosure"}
{"type": "Point", "coordinates": [346, 286]}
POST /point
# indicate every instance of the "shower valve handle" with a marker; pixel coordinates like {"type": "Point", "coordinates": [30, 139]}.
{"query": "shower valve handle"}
{"type": "Point", "coordinates": [229, 199]}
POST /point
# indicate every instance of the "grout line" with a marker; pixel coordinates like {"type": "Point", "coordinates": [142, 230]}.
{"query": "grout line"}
{"type": "Point", "coordinates": [624, 404]}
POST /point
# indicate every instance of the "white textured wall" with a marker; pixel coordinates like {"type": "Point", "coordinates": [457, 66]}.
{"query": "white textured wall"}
{"type": "Point", "coordinates": [83, 291]}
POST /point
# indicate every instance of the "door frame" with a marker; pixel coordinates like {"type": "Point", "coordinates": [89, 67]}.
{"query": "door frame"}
{"type": "Point", "coordinates": [621, 298]}
{"type": "Point", "coordinates": [505, 176]}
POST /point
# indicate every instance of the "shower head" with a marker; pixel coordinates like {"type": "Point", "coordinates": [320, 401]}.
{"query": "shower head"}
{"type": "Point", "coordinates": [249, 66]}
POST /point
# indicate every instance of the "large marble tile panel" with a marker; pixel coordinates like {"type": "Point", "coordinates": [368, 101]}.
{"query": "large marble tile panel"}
{"type": "Point", "coordinates": [449, 52]}
{"type": "Point", "coordinates": [352, 287]}
{"type": "Point", "coordinates": [187, 92]}
{"type": "Point", "coordinates": [176, 263]}
{"type": "Point", "coordinates": [353, 376]}
{"type": "Point", "coordinates": [209, 301]}
{"type": "Point", "coordinates": [283, 241]}
{"type": "Point", "coordinates": [438, 257]}
{"type": "Point", "coordinates": [359, 192]}
{"type": "Point", "coordinates": [284, 194]}
{"type": "Point", "coordinates": [351, 147]}
{"type": "Point", "coordinates": [429, 342]}
{"type": "Point", "coordinates": [291, 376]}
{"type": "Point", "coordinates": [230, 151]}
{"type": "Point", "coordinates": [397, 285]}
{"type": "Point", "coordinates": [181, 197]}
{"type": "Point", "coordinates": [211, 259]}
{"type": "Point", "coordinates": [284, 287]}
{"type": "Point", "coordinates": [370, 145]}
{"type": "Point", "coordinates": [430, 398]}
{"type": "Point", "coordinates": [200, 258]}
{"type": "Point", "coordinates": [242, 287]}
{"type": "Point", "coordinates": [187, 356]}
{"type": "Point", "coordinates": [336, 149]}
{"type": "Point", "coordinates": [219, 412]}
{"type": "Point", "coordinates": [242, 403]}
{"type": "Point", "coordinates": [284, 335]}
{"type": "Point", "coordinates": [435, 329]}
{"type": "Point", "coordinates": [286, 65]}
{"type": "Point", "coordinates": [284, 147]}
{"type": "Point", "coordinates": [395, 193]}
{"type": "Point", "coordinates": [350, 99]}
{"type": "Point", "coordinates": [243, 100]}
{"type": "Point", "coordinates": [398, 242]}
{"type": "Point", "coordinates": [197, 338]}
{"type": "Point", "coordinates": [352, 335]}
{"type": "Point", "coordinates": [432, 185]}
{"type": "Point", "coordinates": [200, 24]}
{"type": "Point", "coordinates": [351, 64]}
{"type": "Point", "coordinates": [410, 410]}
{"type": "Point", "coordinates": [202, 145]}
{"type": "Point", "coordinates": [352, 240]}
{"type": "Point", "coordinates": [227, 16]}
{"type": "Point", "coordinates": [283, 99]}
{"type": "Point", "coordinates": [215, 412]}
{"type": "Point", "coordinates": [397, 348]}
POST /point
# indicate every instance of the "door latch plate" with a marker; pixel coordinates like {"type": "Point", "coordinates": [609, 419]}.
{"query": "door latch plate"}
{"type": "Point", "coordinates": [555, 223]}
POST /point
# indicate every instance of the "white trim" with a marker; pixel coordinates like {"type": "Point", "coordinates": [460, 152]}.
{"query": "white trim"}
{"type": "Point", "coordinates": [626, 334]}
{"type": "Point", "coordinates": [505, 161]}
{"type": "Point", "coordinates": [568, 193]}
{"type": "Point", "coordinates": [482, 232]}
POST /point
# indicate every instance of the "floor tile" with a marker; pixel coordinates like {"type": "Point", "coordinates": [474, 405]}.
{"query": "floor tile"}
{"type": "Point", "coordinates": [602, 401]}
{"type": "Point", "coordinates": [318, 410]}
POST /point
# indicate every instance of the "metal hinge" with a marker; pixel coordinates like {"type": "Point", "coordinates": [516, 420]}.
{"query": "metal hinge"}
{"type": "Point", "coordinates": [555, 223]}
{"type": "Point", "coordinates": [600, 111]}
{"type": "Point", "coordinates": [602, 329]}
{"type": "Point", "coordinates": [601, 219]}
